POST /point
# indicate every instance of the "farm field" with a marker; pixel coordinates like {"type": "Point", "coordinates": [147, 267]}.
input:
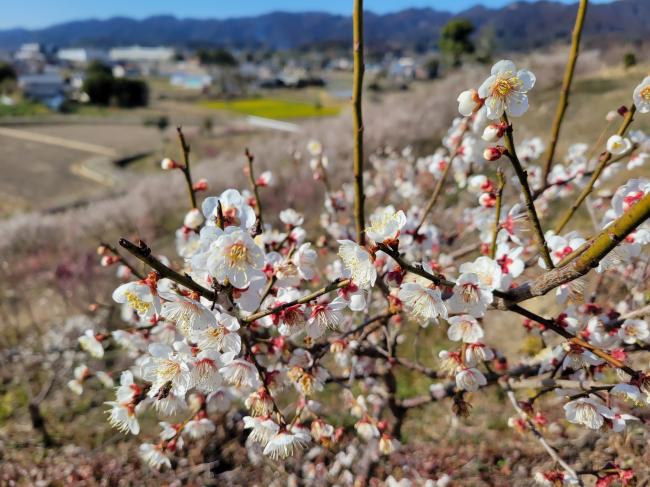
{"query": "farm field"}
{"type": "Point", "coordinates": [274, 108]}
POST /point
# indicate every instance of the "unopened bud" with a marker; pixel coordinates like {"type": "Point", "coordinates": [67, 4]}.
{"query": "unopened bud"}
{"type": "Point", "coordinates": [109, 260]}
{"type": "Point", "coordinates": [200, 185]}
{"type": "Point", "coordinates": [494, 132]}
{"type": "Point", "coordinates": [487, 200]}
{"type": "Point", "coordinates": [168, 164]}
{"type": "Point", "coordinates": [493, 153]}
{"type": "Point", "coordinates": [469, 102]}
{"type": "Point", "coordinates": [193, 219]}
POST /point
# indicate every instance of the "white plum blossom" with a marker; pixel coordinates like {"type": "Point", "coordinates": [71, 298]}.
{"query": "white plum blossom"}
{"type": "Point", "coordinates": [385, 224]}
{"type": "Point", "coordinates": [464, 328]}
{"type": "Point", "coordinates": [470, 295]}
{"type": "Point", "coordinates": [167, 365]}
{"type": "Point", "coordinates": [235, 257]}
{"type": "Point", "coordinates": [423, 302]}
{"type": "Point", "coordinates": [241, 374]}
{"type": "Point", "coordinates": [641, 96]}
{"type": "Point", "coordinates": [236, 211]}
{"type": "Point", "coordinates": [284, 444]}
{"type": "Point", "coordinates": [291, 217]}
{"type": "Point", "coordinates": [587, 411]}
{"type": "Point", "coordinates": [506, 90]}
{"type": "Point", "coordinates": [618, 145]}
{"type": "Point", "coordinates": [325, 316]}
{"type": "Point", "coordinates": [470, 379]}
{"type": "Point", "coordinates": [89, 342]}
{"type": "Point", "coordinates": [633, 331]}
{"type": "Point", "coordinates": [140, 297]}
{"type": "Point", "coordinates": [189, 314]}
{"type": "Point", "coordinates": [153, 456]}
{"type": "Point", "coordinates": [358, 263]}
{"type": "Point", "coordinates": [262, 429]}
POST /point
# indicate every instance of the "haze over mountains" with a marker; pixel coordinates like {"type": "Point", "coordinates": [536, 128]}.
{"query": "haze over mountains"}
{"type": "Point", "coordinates": [517, 26]}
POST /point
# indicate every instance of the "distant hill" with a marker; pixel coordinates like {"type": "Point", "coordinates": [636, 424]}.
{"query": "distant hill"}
{"type": "Point", "coordinates": [517, 26]}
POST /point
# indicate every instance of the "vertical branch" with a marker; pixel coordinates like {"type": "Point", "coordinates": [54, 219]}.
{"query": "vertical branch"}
{"type": "Point", "coordinates": [359, 195]}
{"type": "Point", "coordinates": [256, 192]}
{"type": "Point", "coordinates": [440, 183]}
{"type": "Point", "coordinates": [186, 169]}
{"type": "Point", "coordinates": [604, 160]}
{"type": "Point", "coordinates": [502, 182]}
{"type": "Point", "coordinates": [522, 175]}
{"type": "Point", "coordinates": [566, 86]}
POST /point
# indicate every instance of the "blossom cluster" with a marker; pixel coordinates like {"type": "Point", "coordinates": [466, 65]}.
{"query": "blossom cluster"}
{"type": "Point", "coordinates": [266, 323]}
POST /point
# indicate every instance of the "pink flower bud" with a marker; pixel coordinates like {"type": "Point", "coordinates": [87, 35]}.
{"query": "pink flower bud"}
{"type": "Point", "coordinates": [493, 153]}
{"type": "Point", "coordinates": [200, 185]}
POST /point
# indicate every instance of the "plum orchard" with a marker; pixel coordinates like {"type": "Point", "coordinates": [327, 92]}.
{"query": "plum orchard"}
{"type": "Point", "coordinates": [260, 317]}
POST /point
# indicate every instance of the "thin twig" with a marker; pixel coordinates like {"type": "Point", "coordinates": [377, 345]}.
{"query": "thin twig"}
{"type": "Point", "coordinates": [495, 232]}
{"type": "Point", "coordinates": [605, 158]}
{"type": "Point", "coordinates": [186, 168]}
{"type": "Point", "coordinates": [566, 86]}
{"type": "Point", "coordinates": [256, 192]}
{"type": "Point", "coordinates": [441, 181]}
{"type": "Point", "coordinates": [549, 449]}
{"type": "Point", "coordinates": [143, 252]}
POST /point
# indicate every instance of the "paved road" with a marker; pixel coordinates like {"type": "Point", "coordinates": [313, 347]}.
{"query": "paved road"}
{"type": "Point", "coordinates": [58, 141]}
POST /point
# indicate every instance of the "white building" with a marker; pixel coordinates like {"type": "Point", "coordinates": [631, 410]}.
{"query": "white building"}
{"type": "Point", "coordinates": [81, 55]}
{"type": "Point", "coordinates": [139, 54]}
{"type": "Point", "coordinates": [30, 52]}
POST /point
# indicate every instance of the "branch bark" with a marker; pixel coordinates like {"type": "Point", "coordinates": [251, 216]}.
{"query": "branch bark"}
{"type": "Point", "coordinates": [566, 86]}
{"type": "Point", "coordinates": [357, 87]}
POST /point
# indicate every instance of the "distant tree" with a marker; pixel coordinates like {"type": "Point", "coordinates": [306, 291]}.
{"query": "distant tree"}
{"type": "Point", "coordinates": [455, 39]}
{"type": "Point", "coordinates": [7, 77]}
{"type": "Point", "coordinates": [130, 93]}
{"type": "Point", "coordinates": [99, 87]}
{"type": "Point", "coordinates": [103, 88]}
{"type": "Point", "coordinates": [219, 57]}
{"type": "Point", "coordinates": [7, 72]}
{"type": "Point", "coordinates": [629, 59]}
{"type": "Point", "coordinates": [486, 44]}
{"type": "Point", "coordinates": [98, 68]}
{"type": "Point", "coordinates": [432, 67]}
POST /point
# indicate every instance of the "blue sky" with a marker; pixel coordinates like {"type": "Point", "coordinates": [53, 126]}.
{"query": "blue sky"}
{"type": "Point", "coordinates": [41, 13]}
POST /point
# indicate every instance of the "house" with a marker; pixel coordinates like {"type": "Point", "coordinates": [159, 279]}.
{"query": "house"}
{"type": "Point", "coordinates": [81, 55]}
{"type": "Point", "coordinates": [140, 54]}
{"type": "Point", "coordinates": [47, 88]}
{"type": "Point", "coordinates": [190, 80]}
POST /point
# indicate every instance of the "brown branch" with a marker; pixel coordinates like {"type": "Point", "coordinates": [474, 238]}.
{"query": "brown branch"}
{"type": "Point", "coordinates": [441, 181]}
{"type": "Point", "coordinates": [495, 232]}
{"type": "Point", "coordinates": [589, 256]}
{"type": "Point", "coordinates": [549, 449]}
{"type": "Point", "coordinates": [522, 175]}
{"type": "Point", "coordinates": [359, 196]}
{"type": "Point", "coordinates": [305, 299]}
{"type": "Point", "coordinates": [117, 253]}
{"type": "Point", "coordinates": [566, 86]}
{"type": "Point", "coordinates": [256, 192]}
{"type": "Point", "coordinates": [143, 253]}
{"type": "Point", "coordinates": [186, 168]}
{"type": "Point", "coordinates": [629, 116]}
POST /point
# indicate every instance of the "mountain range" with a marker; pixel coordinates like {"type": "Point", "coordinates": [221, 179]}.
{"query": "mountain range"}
{"type": "Point", "coordinates": [520, 25]}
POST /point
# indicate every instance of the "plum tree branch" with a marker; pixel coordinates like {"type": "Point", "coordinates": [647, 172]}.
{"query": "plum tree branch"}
{"type": "Point", "coordinates": [522, 175]}
{"type": "Point", "coordinates": [566, 87]}
{"type": "Point", "coordinates": [604, 160]}
{"type": "Point", "coordinates": [357, 88]}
